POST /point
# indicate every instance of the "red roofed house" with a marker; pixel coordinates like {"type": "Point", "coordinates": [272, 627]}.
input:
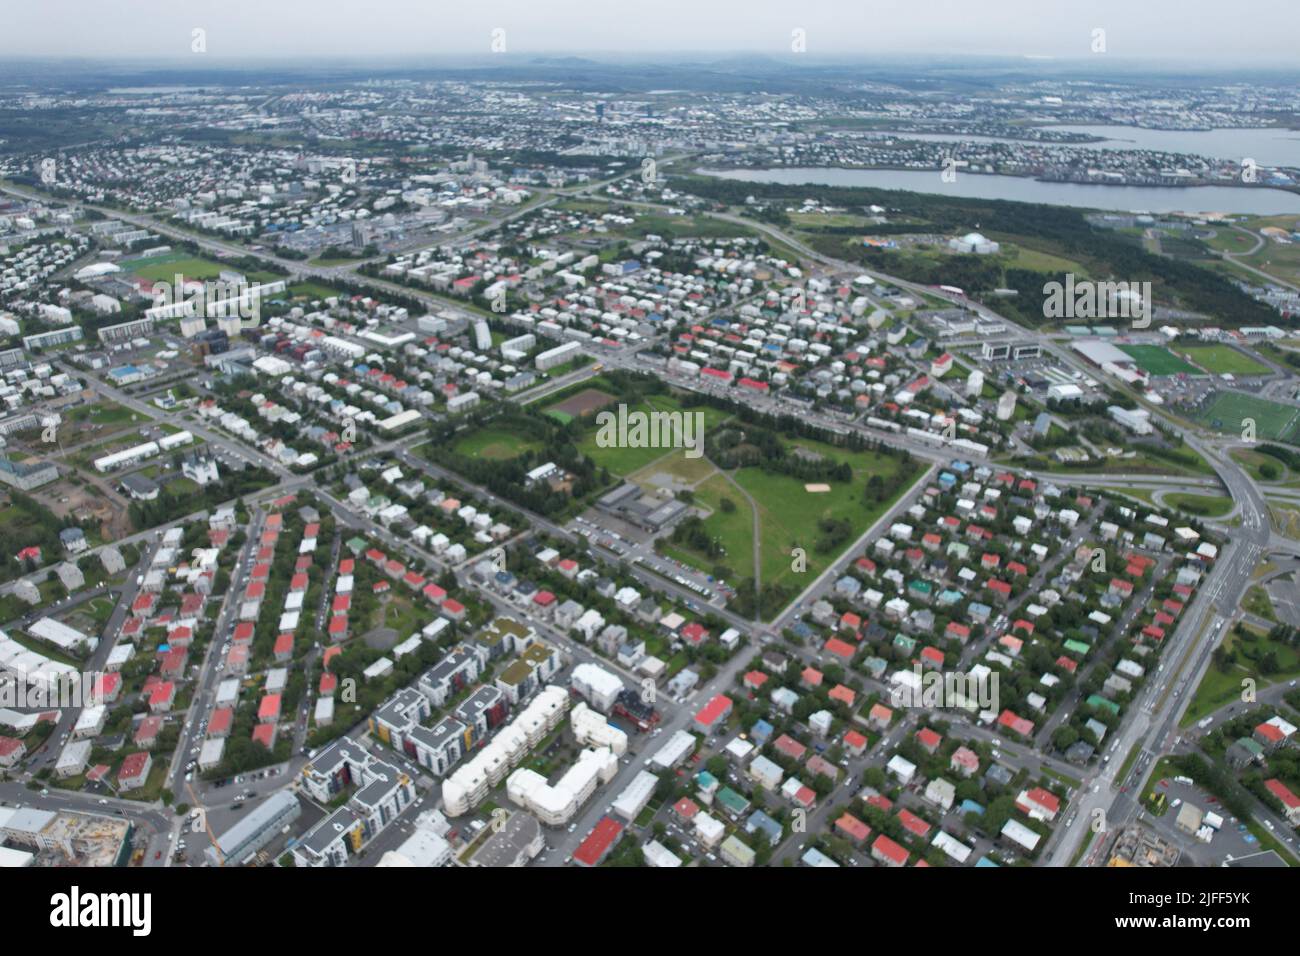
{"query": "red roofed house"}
{"type": "Point", "coordinates": [929, 739]}
{"type": "Point", "coordinates": [162, 698]}
{"type": "Point", "coordinates": [1015, 723]}
{"type": "Point", "coordinates": [694, 632]}
{"type": "Point", "coordinates": [264, 734]}
{"type": "Point", "coordinates": [853, 828]}
{"type": "Point", "coordinates": [221, 721]}
{"type": "Point", "coordinates": [146, 735]}
{"type": "Point", "coordinates": [887, 852]}
{"type": "Point", "coordinates": [912, 823]}
{"type": "Point", "coordinates": [790, 747]}
{"type": "Point", "coordinates": [1039, 804]}
{"type": "Point", "coordinates": [12, 750]}
{"type": "Point", "coordinates": [959, 631]}
{"type": "Point", "coordinates": [134, 771]}
{"type": "Point", "coordinates": [843, 695]}
{"type": "Point", "coordinates": [840, 649]}
{"type": "Point", "coordinates": [268, 711]}
{"type": "Point", "coordinates": [713, 714]}
{"type": "Point", "coordinates": [602, 838]}
{"type": "Point", "coordinates": [855, 743]}
{"type": "Point", "coordinates": [1288, 799]}
{"type": "Point", "coordinates": [283, 647]}
{"type": "Point", "coordinates": [879, 716]}
{"type": "Point", "coordinates": [1269, 735]}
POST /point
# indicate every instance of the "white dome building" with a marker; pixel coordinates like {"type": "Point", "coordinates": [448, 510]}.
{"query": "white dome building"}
{"type": "Point", "coordinates": [973, 242]}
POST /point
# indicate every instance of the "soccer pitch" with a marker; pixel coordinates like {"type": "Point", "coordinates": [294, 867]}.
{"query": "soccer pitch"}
{"type": "Point", "coordinates": [1226, 412]}
{"type": "Point", "coordinates": [1158, 360]}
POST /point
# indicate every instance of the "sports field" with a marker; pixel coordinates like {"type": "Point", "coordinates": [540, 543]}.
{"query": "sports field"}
{"type": "Point", "coordinates": [1158, 360]}
{"type": "Point", "coordinates": [1227, 411]}
{"type": "Point", "coordinates": [584, 403]}
{"type": "Point", "coordinates": [495, 444]}
{"type": "Point", "coordinates": [1218, 359]}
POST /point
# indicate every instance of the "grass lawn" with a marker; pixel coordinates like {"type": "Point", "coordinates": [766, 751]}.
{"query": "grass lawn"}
{"type": "Point", "coordinates": [154, 783]}
{"type": "Point", "coordinates": [788, 515]}
{"type": "Point", "coordinates": [1252, 460]}
{"type": "Point", "coordinates": [733, 530]}
{"type": "Point", "coordinates": [1285, 519]}
{"type": "Point", "coordinates": [1219, 359]}
{"type": "Point", "coordinates": [624, 461]}
{"type": "Point", "coordinates": [104, 413]}
{"type": "Point", "coordinates": [1205, 506]}
{"type": "Point", "coordinates": [1258, 602]}
{"type": "Point", "coordinates": [166, 267]}
{"type": "Point", "coordinates": [312, 290]}
{"type": "Point", "coordinates": [496, 444]}
{"type": "Point", "coordinates": [1218, 687]}
{"type": "Point", "coordinates": [1158, 360]}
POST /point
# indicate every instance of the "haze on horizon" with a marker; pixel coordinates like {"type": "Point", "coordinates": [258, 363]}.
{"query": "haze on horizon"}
{"type": "Point", "coordinates": [1199, 32]}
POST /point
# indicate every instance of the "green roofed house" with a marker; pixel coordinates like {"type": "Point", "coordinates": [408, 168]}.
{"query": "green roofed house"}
{"type": "Point", "coordinates": [731, 802]}
{"type": "Point", "coordinates": [356, 545]}
{"type": "Point", "coordinates": [1077, 647]}
{"type": "Point", "coordinates": [1243, 751]}
{"type": "Point", "coordinates": [1101, 703]}
{"type": "Point", "coordinates": [904, 643]}
{"type": "Point", "coordinates": [708, 786]}
{"type": "Point", "coordinates": [920, 590]}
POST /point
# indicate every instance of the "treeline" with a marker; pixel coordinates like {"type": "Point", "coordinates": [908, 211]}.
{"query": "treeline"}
{"type": "Point", "coordinates": [33, 525]}
{"type": "Point", "coordinates": [508, 479]}
{"type": "Point", "coordinates": [1064, 228]}
{"type": "Point", "coordinates": [757, 446]}
{"type": "Point", "coordinates": [169, 505]}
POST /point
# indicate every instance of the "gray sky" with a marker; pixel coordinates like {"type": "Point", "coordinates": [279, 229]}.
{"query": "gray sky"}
{"type": "Point", "coordinates": [1200, 30]}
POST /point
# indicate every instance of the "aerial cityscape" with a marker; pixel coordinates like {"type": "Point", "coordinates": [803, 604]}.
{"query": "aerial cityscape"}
{"type": "Point", "coordinates": [540, 452]}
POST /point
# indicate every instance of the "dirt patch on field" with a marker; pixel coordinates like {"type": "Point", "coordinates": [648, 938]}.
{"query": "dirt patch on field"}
{"type": "Point", "coordinates": [586, 402]}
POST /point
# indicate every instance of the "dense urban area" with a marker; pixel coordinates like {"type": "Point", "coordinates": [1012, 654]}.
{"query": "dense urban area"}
{"type": "Point", "coordinates": [542, 467]}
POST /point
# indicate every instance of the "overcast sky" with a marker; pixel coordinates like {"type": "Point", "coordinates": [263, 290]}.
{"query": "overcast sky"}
{"type": "Point", "coordinates": [1196, 30]}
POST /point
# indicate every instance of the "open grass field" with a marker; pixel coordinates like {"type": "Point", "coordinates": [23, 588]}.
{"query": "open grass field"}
{"type": "Point", "coordinates": [1253, 460]}
{"type": "Point", "coordinates": [788, 514]}
{"type": "Point", "coordinates": [1226, 412]}
{"type": "Point", "coordinates": [495, 444]}
{"type": "Point", "coordinates": [1219, 687]}
{"type": "Point", "coordinates": [1205, 506]}
{"type": "Point", "coordinates": [1158, 360]}
{"type": "Point", "coordinates": [165, 267]}
{"type": "Point", "coordinates": [734, 530]}
{"type": "Point", "coordinates": [1220, 359]}
{"type": "Point", "coordinates": [312, 290]}
{"type": "Point", "coordinates": [624, 461]}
